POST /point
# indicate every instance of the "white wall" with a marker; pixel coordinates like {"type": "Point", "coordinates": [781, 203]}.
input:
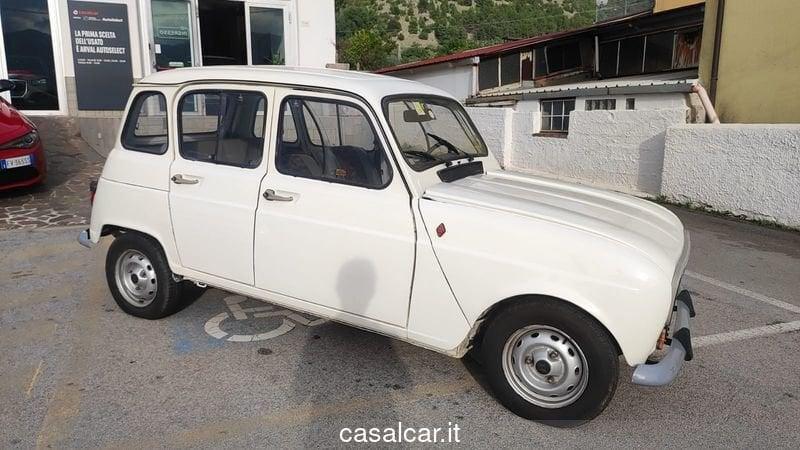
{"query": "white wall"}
{"type": "Point", "coordinates": [453, 78]}
{"type": "Point", "coordinates": [495, 126]}
{"type": "Point", "coordinates": [621, 150]}
{"type": "Point", "coordinates": [316, 32]}
{"type": "Point", "coordinates": [750, 170]}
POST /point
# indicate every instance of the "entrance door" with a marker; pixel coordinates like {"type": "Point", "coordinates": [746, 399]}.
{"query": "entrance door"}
{"type": "Point", "coordinates": [269, 32]}
{"type": "Point", "coordinates": [172, 34]}
{"type": "Point", "coordinates": [215, 179]}
{"type": "Point", "coordinates": [334, 224]}
{"type": "Point", "coordinates": [223, 32]}
{"type": "Point", "coordinates": [254, 32]}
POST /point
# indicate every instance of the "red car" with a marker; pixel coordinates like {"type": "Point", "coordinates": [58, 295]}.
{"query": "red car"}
{"type": "Point", "coordinates": [22, 161]}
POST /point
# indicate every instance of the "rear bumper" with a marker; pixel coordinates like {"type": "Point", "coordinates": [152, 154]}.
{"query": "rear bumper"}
{"type": "Point", "coordinates": [680, 350]}
{"type": "Point", "coordinates": [84, 240]}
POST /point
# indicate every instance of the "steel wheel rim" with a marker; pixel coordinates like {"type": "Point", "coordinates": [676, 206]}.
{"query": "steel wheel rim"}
{"type": "Point", "coordinates": [545, 366]}
{"type": "Point", "coordinates": [136, 278]}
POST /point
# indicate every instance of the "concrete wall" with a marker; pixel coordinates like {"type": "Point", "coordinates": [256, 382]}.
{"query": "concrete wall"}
{"type": "Point", "coordinates": [495, 126]}
{"type": "Point", "coordinates": [619, 149]}
{"type": "Point", "coordinates": [454, 78]}
{"type": "Point", "coordinates": [759, 60]}
{"type": "Point", "coordinates": [623, 150]}
{"type": "Point", "coordinates": [316, 33]}
{"type": "Point", "coordinates": [750, 170]}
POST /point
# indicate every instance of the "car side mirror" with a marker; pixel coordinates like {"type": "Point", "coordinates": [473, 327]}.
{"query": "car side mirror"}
{"type": "Point", "coordinates": [6, 85]}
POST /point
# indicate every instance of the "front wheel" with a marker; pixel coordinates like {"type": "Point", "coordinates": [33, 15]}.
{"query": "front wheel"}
{"type": "Point", "coordinates": [140, 279]}
{"type": "Point", "coordinates": [549, 361]}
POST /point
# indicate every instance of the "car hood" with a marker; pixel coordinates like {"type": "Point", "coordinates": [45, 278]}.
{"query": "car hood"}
{"type": "Point", "coordinates": [12, 123]}
{"type": "Point", "coordinates": [628, 220]}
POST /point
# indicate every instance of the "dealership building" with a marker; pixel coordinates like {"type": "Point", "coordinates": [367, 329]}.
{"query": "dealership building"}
{"type": "Point", "coordinates": [77, 59]}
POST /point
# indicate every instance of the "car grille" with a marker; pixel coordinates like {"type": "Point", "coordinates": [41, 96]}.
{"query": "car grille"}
{"type": "Point", "coordinates": [17, 174]}
{"type": "Point", "coordinates": [19, 89]}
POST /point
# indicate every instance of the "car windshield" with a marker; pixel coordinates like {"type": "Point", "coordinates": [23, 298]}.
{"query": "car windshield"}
{"type": "Point", "coordinates": [432, 131]}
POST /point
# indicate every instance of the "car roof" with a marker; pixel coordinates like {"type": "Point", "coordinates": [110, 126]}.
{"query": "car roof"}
{"type": "Point", "coordinates": [370, 86]}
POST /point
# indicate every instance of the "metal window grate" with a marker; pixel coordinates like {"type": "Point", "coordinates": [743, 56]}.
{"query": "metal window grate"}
{"type": "Point", "coordinates": [601, 104]}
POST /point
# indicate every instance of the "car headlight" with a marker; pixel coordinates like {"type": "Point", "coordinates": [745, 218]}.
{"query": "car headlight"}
{"type": "Point", "coordinates": [27, 141]}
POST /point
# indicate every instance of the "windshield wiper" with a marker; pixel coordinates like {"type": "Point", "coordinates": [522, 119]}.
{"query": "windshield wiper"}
{"type": "Point", "coordinates": [422, 154]}
{"type": "Point", "coordinates": [451, 148]}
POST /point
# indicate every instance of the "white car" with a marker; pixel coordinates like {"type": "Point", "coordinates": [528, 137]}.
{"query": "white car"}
{"type": "Point", "coordinates": [373, 201]}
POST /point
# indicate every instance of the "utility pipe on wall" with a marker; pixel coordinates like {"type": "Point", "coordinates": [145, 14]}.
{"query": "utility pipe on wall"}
{"type": "Point", "coordinates": [717, 49]}
{"type": "Point", "coordinates": [711, 113]}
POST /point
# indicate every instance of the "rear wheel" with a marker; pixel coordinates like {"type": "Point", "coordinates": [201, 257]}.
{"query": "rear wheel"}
{"type": "Point", "coordinates": [549, 361]}
{"type": "Point", "coordinates": [140, 279]}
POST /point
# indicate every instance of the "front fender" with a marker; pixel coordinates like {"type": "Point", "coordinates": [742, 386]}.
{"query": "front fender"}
{"type": "Point", "coordinates": [488, 256]}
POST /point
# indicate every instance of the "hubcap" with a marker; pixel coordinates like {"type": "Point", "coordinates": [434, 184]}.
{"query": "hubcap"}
{"type": "Point", "coordinates": [136, 278]}
{"type": "Point", "coordinates": [544, 366]}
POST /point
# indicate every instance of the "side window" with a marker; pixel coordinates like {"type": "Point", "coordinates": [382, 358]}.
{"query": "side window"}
{"type": "Point", "coordinates": [259, 122]}
{"type": "Point", "coordinates": [222, 127]}
{"type": "Point", "coordinates": [146, 129]}
{"type": "Point", "coordinates": [331, 141]}
{"type": "Point", "coordinates": [289, 131]}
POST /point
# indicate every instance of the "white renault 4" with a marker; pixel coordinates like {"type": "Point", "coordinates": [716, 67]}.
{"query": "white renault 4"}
{"type": "Point", "coordinates": [373, 201]}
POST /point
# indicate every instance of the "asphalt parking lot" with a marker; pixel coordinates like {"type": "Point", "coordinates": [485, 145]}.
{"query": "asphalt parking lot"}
{"type": "Point", "coordinates": [77, 372]}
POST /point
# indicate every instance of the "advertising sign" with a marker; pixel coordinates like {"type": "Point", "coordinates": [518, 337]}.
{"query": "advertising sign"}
{"type": "Point", "coordinates": [101, 51]}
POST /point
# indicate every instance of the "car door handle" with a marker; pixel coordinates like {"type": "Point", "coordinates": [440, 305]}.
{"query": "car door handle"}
{"type": "Point", "coordinates": [179, 179]}
{"type": "Point", "coordinates": [270, 195]}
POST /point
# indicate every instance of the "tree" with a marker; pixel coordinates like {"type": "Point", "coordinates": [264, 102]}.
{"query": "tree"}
{"type": "Point", "coordinates": [417, 52]}
{"type": "Point", "coordinates": [366, 50]}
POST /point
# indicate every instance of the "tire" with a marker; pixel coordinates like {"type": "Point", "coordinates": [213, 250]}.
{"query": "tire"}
{"type": "Point", "coordinates": [147, 289]}
{"type": "Point", "coordinates": [562, 383]}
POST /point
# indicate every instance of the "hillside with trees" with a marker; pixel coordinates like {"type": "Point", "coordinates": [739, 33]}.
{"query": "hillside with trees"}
{"type": "Point", "coordinates": [377, 33]}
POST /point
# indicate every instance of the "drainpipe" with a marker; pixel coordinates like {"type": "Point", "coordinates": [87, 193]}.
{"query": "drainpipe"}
{"type": "Point", "coordinates": [717, 45]}
{"type": "Point", "coordinates": [475, 66]}
{"type": "Point", "coordinates": [711, 113]}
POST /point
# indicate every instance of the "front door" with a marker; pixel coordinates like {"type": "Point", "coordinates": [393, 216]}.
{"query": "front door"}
{"type": "Point", "coordinates": [334, 224]}
{"type": "Point", "coordinates": [215, 177]}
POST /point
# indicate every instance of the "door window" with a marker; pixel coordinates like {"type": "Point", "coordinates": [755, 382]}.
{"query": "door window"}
{"type": "Point", "coordinates": [332, 141]}
{"type": "Point", "coordinates": [29, 54]}
{"type": "Point", "coordinates": [226, 130]}
{"type": "Point", "coordinates": [145, 129]}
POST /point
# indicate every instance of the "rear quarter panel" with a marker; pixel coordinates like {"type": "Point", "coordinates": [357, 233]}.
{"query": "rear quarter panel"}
{"type": "Point", "coordinates": [138, 208]}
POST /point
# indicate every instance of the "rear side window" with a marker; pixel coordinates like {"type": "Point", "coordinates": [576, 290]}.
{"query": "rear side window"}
{"type": "Point", "coordinates": [145, 129]}
{"type": "Point", "coordinates": [330, 141]}
{"type": "Point", "coordinates": [222, 127]}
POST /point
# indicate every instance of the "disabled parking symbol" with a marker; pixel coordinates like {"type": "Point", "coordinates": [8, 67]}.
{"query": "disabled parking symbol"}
{"type": "Point", "coordinates": [238, 312]}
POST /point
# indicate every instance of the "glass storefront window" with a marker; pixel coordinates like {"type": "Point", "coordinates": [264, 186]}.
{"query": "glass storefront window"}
{"type": "Point", "coordinates": [266, 36]}
{"type": "Point", "coordinates": [172, 34]}
{"type": "Point", "coordinates": [29, 54]}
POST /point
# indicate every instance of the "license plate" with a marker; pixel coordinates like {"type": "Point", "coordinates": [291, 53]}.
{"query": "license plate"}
{"type": "Point", "coordinates": [12, 163]}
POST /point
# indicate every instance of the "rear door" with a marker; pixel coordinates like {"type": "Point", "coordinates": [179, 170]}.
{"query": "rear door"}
{"type": "Point", "coordinates": [334, 224]}
{"type": "Point", "coordinates": [215, 177]}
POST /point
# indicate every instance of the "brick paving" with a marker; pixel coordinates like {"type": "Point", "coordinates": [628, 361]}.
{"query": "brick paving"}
{"type": "Point", "coordinates": [64, 198]}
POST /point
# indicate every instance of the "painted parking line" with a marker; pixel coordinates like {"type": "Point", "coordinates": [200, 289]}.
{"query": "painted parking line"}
{"type": "Point", "coordinates": [749, 333]}
{"type": "Point", "coordinates": [746, 292]}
